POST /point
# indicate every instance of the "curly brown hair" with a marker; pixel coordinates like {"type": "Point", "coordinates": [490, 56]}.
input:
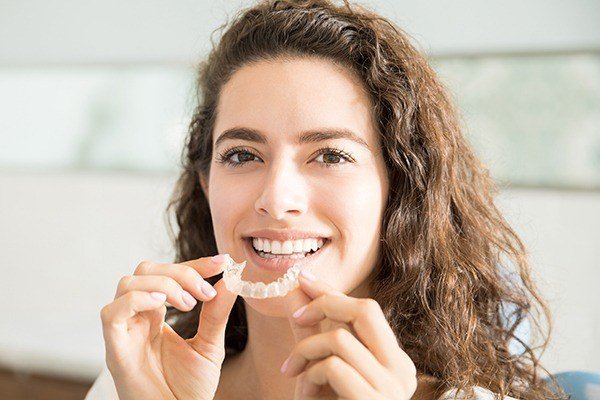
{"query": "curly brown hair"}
{"type": "Point", "coordinates": [450, 265]}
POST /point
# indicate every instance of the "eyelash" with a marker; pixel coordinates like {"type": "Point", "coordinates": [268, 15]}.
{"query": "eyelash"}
{"type": "Point", "coordinates": [223, 158]}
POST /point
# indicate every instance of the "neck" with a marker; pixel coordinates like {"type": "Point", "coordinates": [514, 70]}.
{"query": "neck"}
{"type": "Point", "coordinates": [270, 341]}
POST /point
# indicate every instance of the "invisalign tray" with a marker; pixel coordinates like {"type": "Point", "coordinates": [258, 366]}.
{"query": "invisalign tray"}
{"type": "Point", "coordinates": [232, 275]}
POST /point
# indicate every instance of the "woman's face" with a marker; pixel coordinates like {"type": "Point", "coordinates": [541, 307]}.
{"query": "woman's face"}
{"type": "Point", "coordinates": [282, 184]}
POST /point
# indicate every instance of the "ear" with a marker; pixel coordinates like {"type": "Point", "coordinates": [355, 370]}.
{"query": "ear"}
{"type": "Point", "coordinates": [204, 185]}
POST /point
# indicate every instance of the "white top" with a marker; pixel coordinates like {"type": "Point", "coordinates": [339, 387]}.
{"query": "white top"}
{"type": "Point", "coordinates": [104, 389]}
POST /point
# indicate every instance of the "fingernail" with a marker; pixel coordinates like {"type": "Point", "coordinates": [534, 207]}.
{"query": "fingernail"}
{"type": "Point", "coordinates": [158, 296]}
{"type": "Point", "coordinates": [188, 298]}
{"type": "Point", "coordinates": [208, 290]}
{"type": "Point", "coordinates": [299, 311]}
{"type": "Point", "coordinates": [308, 275]}
{"type": "Point", "coordinates": [219, 258]}
{"type": "Point", "coordinates": [285, 365]}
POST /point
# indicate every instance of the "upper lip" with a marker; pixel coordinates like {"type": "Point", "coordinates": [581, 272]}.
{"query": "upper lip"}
{"type": "Point", "coordinates": [283, 235]}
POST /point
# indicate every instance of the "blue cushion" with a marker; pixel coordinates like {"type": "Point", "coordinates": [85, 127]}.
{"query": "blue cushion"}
{"type": "Point", "coordinates": [579, 384]}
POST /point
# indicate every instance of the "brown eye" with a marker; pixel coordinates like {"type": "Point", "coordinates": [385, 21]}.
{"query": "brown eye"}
{"type": "Point", "coordinates": [332, 157]}
{"type": "Point", "coordinates": [242, 154]}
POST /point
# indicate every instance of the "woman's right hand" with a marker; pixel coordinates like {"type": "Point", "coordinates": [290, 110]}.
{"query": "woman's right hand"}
{"type": "Point", "coordinates": [146, 358]}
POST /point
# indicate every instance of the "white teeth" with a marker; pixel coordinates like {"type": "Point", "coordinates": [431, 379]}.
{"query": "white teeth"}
{"type": "Point", "coordinates": [315, 246]}
{"type": "Point", "coordinates": [275, 247]}
{"type": "Point", "coordinates": [269, 255]}
{"type": "Point", "coordinates": [298, 245]}
{"type": "Point", "coordinates": [258, 290]}
{"type": "Point", "coordinates": [288, 246]}
{"type": "Point", "coordinates": [307, 245]}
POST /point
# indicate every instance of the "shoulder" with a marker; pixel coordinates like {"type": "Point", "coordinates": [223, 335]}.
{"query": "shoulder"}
{"type": "Point", "coordinates": [103, 387]}
{"type": "Point", "coordinates": [479, 392]}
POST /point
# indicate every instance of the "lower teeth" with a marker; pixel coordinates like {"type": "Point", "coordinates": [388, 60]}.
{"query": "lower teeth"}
{"type": "Point", "coordinates": [293, 256]}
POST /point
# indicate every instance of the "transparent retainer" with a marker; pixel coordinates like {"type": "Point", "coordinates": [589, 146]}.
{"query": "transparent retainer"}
{"type": "Point", "coordinates": [232, 275]}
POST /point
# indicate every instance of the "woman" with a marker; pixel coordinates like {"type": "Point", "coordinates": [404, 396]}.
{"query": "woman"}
{"type": "Point", "coordinates": [323, 122]}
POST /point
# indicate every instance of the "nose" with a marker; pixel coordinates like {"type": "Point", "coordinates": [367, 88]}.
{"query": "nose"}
{"type": "Point", "coordinates": [284, 192]}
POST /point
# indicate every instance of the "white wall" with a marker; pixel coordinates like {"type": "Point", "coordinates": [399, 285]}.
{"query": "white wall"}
{"type": "Point", "coordinates": [149, 31]}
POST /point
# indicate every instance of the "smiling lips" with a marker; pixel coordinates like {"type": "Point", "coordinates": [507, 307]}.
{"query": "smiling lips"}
{"type": "Point", "coordinates": [282, 262]}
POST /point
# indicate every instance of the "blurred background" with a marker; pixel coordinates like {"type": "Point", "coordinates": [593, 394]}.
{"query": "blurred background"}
{"type": "Point", "coordinates": [95, 98]}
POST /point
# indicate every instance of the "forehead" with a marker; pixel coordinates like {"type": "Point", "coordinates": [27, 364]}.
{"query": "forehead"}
{"type": "Point", "coordinates": [284, 97]}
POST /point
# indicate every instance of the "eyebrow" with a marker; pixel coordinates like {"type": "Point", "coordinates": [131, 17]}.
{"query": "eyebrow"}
{"type": "Point", "coordinates": [311, 136]}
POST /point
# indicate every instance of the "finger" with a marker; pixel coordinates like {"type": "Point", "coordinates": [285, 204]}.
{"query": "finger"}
{"type": "Point", "coordinates": [297, 298]}
{"type": "Point", "coordinates": [210, 337]}
{"type": "Point", "coordinates": [186, 276]}
{"type": "Point", "coordinates": [340, 343]}
{"type": "Point", "coordinates": [115, 315]}
{"type": "Point", "coordinates": [345, 381]}
{"type": "Point", "coordinates": [176, 295]}
{"type": "Point", "coordinates": [209, 266]}
{"type": "Point", "coordinates": [314, 287]}
{"type": "Point", "coordinates": [365, 317]}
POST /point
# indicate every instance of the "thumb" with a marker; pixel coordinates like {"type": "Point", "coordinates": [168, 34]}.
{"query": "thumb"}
{"type": "Point", "coordinates": [214, 314]}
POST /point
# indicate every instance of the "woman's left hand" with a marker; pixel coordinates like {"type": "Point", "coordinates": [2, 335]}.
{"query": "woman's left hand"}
{"type": "Point", "coordinates": [364, 362]}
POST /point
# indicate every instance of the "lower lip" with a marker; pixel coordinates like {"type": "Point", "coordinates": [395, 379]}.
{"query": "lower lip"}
{"type": "Point", "coordinates": [280, 264]}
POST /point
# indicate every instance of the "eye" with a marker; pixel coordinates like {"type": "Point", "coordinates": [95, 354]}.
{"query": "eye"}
{"type": "Point", "coordinates": [243, 154]}
{"type": "Point", "coordinates": [331, 157]}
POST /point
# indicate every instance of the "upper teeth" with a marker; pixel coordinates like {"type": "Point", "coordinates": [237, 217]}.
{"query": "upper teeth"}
{"type": "Point", "coordinates": [287, 247]}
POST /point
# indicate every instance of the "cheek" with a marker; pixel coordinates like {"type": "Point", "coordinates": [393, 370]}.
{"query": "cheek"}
{"type": "Point", "coordinates": [355, 206]}
{"type": "Point", "coordinates": [354, 201]}
{"type": "Point", "coordinates": [228, 201]}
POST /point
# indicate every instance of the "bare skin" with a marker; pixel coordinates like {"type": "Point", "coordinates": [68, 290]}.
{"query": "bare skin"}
{"type": "Point", "coordinates": [428, 387]}
{"type": "Point", "coordinates": [258, 376]}
{"type": "Point", "coordinates": [244, 378]}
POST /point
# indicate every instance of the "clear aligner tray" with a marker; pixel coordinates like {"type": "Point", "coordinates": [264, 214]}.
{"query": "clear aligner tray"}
{"type": "Point", "coordinates": [232, 275]}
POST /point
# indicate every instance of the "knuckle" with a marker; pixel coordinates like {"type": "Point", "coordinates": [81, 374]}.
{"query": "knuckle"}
{"type": "Point", "coordinates": [301, 345]}
{"type": "Point", "coordinates": [340, 336]}
{"type": "Point", "coordinates": [211, 320]}
{"type": "Point", "coordinates": [370, 306]}
{"type": "Point", "coordinates": [143, 267]}
{"type": "Point", "coordinates": [124, 283]}
{"type": "Point", "coordinates": [130, 298]}
{"type": "Point", "coordinates": [189, 275]}
{"type": "Point", "coordinates": [322, 299]}
{"type": "Point", "coordinates": [170, 284]}
{"type": "Point", "coordinates": [105, 314]}
{"type": "Point", "coordinates": [214, 352]}
{"type": "Point", "coordinates": [333, 363]}
{"type": "Point", "coordinates": [133, 297]}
